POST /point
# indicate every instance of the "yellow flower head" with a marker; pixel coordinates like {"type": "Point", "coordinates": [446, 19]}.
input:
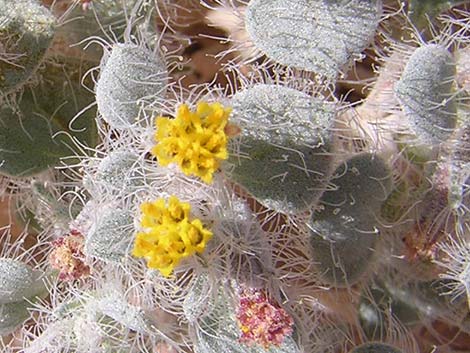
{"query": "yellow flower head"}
{"type": "Point", "coordinates": [196, 141]}
{"type": "Point", "coordinates": [169, 235]}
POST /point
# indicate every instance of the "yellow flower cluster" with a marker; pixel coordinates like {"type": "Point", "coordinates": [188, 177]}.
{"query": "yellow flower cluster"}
{"type": "Point", "coordinates": [196, 141]}
{"type": "Point", "coordinates": [168, 235]}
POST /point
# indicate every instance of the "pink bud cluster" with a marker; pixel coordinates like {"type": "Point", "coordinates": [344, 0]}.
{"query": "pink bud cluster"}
{"type": "Point", "coordinates": [262, 320]}
{"type": "Point", "coordinates": [68, 257]}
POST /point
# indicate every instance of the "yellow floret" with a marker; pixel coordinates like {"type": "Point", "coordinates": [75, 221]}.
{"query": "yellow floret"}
{"type": "Point", "coordinates": [168, 234]}
{"type": "Point", "coordinates": [195, 141]}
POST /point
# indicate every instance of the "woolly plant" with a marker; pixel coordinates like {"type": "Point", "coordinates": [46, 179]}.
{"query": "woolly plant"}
{"type": "Point", "coordinates": [220, 329]}
{"type": "Point", "coordinates": [20, 286]}
{"type": "Point", "coordinates": [131, 76]}
{"type": "Point", "coordinates": [284, 147]}
{"type": "Point", "coordinates": [27, 29]}
{"type": "Point", "coordinates": [319, 36]}
{"type": "Point", "coordinates": [313, 197]}
{"type": "Point", "coordinates": [345, 231]}
{"type": "Point", "coordinates": [423, 83]}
